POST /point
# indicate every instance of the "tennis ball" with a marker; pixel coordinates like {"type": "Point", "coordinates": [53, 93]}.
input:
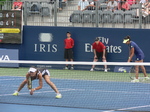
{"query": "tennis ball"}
{"type": "Point", "coordinates": [125, 71]}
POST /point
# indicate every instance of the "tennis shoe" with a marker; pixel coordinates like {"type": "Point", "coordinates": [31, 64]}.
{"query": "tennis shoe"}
{"type": "Point", "coordinates": [72, 68]}
{"type": "Point", "coordinates": [66, 68]}
{"type": "Point", "coordinates": [105, 70]}
{"type": "Point", "coordinates": [135, 80]}
{"type": "Point", "coordinates": [92, 69]}
{"type": "Point", "coordinates": [58, 95]}
{"type": "Point", "coordinates": [146, 78]}
{"type": "Point", "coordinates": [16, 93]}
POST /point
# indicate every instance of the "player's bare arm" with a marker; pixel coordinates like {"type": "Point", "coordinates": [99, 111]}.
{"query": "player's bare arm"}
{"type": "Point", "coordinates": [131, 54]}
{"type": "Point", "coordinates": [27, 77]}
{"type": "Point", "coordinates": [94, 53]}
{"type": "Point", "coordinates": [40, 84]}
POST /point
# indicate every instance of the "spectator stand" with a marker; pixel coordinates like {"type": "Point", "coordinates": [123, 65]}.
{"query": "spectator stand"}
{"type": "Point", "coordinates": [46, 16]}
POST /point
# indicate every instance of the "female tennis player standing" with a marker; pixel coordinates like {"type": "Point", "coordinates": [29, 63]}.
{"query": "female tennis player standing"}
{"type": "Point", "coordinates": [38, 73]}
{"type": "Point", "coordinates": [135, 49]}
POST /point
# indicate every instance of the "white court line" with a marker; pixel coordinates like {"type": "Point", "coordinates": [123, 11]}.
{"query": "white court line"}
{"type": "Point", "coordinates": [125, 109]}
{"type": "Point", "coordinates": [38, 92]}
{"type": "Point", "coordinates": [125, 92]}
{"type": "Point", "coordinates": [11, 79]}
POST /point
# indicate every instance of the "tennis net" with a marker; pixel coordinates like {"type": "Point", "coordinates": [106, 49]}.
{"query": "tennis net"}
{"type": "Point", "coordinates": [80, 87]}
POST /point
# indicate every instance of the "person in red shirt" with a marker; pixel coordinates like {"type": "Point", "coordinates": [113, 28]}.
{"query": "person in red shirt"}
{"type": "Point", "coordinates": [123, 5]}
{"type": "Point", "coordinates": [99, 52]}
{"type": "Point", "coordinates": [17, 5]}
{"type": "Point", "coordinates": [68, 54]}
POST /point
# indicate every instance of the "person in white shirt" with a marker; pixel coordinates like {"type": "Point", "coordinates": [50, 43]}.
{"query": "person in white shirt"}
{"type": "Point", "coordinates": [82, 5]}
{"type": "Point", "coordinates": [112, 5]}
{"type": "Point", "coordinates": [142, 1]}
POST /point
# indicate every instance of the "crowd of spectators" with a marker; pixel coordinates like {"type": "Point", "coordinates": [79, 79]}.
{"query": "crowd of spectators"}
{"type": "Point", "coordinates": [113, 5]}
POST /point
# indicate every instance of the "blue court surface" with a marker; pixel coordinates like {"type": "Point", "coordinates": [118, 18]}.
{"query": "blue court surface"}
{"type": "Point", "coordinates": [78, 95]}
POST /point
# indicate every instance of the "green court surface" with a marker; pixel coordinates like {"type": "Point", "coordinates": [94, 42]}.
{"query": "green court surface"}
{"type": "Point", "coordinates": [73, 74]}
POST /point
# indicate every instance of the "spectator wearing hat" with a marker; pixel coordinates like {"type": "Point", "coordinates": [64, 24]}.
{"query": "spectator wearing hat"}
{"type": "Point", "coordinates": [99, 51]}
{"type": "Point", "coordinates": [68, 53]}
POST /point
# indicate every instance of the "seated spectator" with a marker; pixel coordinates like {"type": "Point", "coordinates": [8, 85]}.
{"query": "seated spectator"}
{"type": "Point", "coordinates": [17, 5]}
{"type": "Point", "coordinates": [82, 5]}
{"type": "Point", "coordinates": [60, 4]}
{"type": "Point", "coordinates": [123, 5]}
{"type": "Point", "coordinates": [112, 5]}
{"type": "Point", "coordinates": [146, 8]}
{"type": "Point", "coordinates": [130, 2]}
{"type": "Point", "coordinates": [92, 5]}
{"type": "Point", "coordinates": [142, 1]}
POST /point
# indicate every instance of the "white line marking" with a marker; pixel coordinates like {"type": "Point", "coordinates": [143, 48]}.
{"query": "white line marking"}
{"type": "Point", "coordinates": [125, 92]}
{"type": "Point", "coordinates": [11, 79]}
{"type": "Point", "coordinates": [129, 108]}
{"type": "Point", "coordinates": [37, 92]}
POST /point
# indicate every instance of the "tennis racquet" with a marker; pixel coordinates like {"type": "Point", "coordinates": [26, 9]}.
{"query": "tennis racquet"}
{"type": "Point", "coordinates": [132, 73]}
{"type": "Point", "coordinates": [29, 83]}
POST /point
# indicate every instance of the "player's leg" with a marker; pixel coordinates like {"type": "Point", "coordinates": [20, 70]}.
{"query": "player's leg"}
{"type": "Point", "coordinates": [139, 59]}
{"type": "Point", "coordinates": [66, 58]}
{"type": "Point", "coordinates": [104, 60]}
{"type": "Point", "coordinates": [70, 56]}
{"type": "Point", "coordinates": [95, 60]}
{"type": "Point", "coordinates": [136, 74]}
{"type": "Point", "coordinates": [16, 93]}
{"type": "Point", "coordinates": [144, 70]}
{"type": "Point", "coordinates": [136, 71]}
{"type": "Point", "coordinates": [51, 84]}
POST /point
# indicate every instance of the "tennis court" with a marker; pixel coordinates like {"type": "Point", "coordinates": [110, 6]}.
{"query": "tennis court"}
{"type": "Point", "coordinates": [82, 91]}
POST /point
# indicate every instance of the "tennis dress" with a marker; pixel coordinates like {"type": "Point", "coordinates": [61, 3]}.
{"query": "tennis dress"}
{"type": "Point", "coordinates": [137, 51]}
{"type": "Point", "coordinates": [42, 71]}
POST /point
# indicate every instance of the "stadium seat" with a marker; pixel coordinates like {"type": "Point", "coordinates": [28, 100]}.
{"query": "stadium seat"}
{"type": "Point", "coordinates": [45, 9]}
{"type": "Point", "coordinates": [128, 16]}
{"type": "Point", "coordinates": [118, 16]}
{"type": "Point", "coordinates": [103, 6]}
{"type": "Point", "coordinates": [107, 16]}
{"type": "Point", "coordinates": [134, 6]}
{"type": "Point", "coordinates": [101, 1]}
{"type": "Point", "coordinates": [35, 7]}
{"type": "Point", "coordinates": [76, 17]}
{"type": "Point", "coordinates": [93, 16]}
{"type": "Point", "coordinates": [86, 16]}
{"type": "Point", "coordinates": [28, 8]}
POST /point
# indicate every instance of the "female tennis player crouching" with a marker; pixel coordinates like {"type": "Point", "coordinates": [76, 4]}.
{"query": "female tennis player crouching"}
{"type": "Point", "coordinates": [38, 73]}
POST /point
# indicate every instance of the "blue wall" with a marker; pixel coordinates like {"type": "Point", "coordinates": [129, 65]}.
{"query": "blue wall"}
{"type": "Point", "coordinates": [33, 49]}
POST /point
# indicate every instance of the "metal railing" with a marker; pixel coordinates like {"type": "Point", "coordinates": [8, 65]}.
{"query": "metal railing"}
{"type": "Point", "coordinates": [49, 14]}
